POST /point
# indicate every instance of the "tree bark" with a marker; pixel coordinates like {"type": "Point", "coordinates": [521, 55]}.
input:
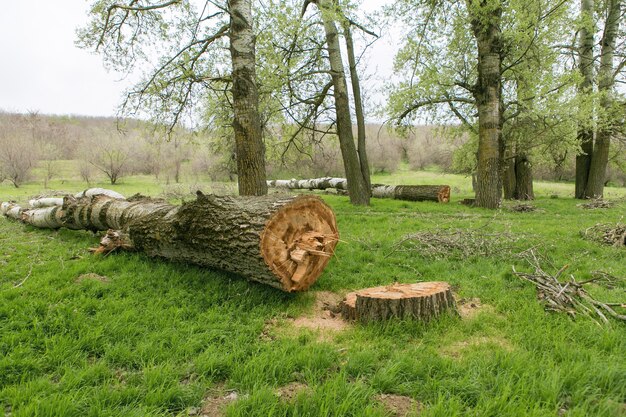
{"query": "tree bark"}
{"type": "Point", "coordinates": [523, 178]}
{"type": "Point", "coordinates": [485, 20]}
{"type": "Point", "coordinates": [358, 106]}
{"type": "Point", "coordinates": [359, 192]}
{"type": "Point", "coordinates": [422, 301]}
{"type": "Point", "coordinates": [281, 241]}
{"type": "Point", "coordinates": [585, 66]}
{"type": "Point", "coordinates": [439, 193]}
{"type": "Point", "coordinates": [509, 177]}
{"type": "Point", "coordinates": [246, 122]}
{"type": "Point", "coordinates": [606, 80]}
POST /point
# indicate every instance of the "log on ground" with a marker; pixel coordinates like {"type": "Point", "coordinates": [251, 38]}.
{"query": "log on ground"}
{"type": "Point", "coordinates": [421, 301]}
{"type": "Point", "coordinates": [439, 193]}
{"type": "Point", "coordinates": [282, 241]}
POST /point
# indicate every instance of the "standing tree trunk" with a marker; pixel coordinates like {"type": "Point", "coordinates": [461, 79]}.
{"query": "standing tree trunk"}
{"type": "Point", "coordinates": [485, 19]}
{"type": "Point", "coordinates": [359, 192]}
{"type": "Point", "coordinates": [247, 122]}
{"type": "Point", "coordinates": [358, 106]}
{"type": "Point", "coordinates": [585, 65]}
{"type": "Point", "coordinates": [606, 81]}
{"type": "Point", "coordinates": [279, 240]}
{"type": "Point", "coordinates": [523, 178]}
{"type": "Point", "coordinates": [509, 177]}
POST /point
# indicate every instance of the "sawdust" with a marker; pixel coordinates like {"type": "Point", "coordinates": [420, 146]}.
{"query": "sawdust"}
{"type": "Point", "coordinates": [290, 391]}
{"type": "Point", "coordinates": [399, 405]}
{"type": "Point", "coordinates": [470, 307]}
{"type": "Point", "coordinates": [325, 314]}
{"type": "Point", "coordinates": [457, 349]}
{"type": "Point", "coordinates": [214, 404]}
{"type": "Point", "coordinates": [324, 318]}
{"type": "Point", "coordinates": [92, 277]}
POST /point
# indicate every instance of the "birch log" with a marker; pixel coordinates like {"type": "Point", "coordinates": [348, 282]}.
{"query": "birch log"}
{"type": "Point", "coordinates": [439, 193]}
{"type": "Point", "coordinates": [282, 241]}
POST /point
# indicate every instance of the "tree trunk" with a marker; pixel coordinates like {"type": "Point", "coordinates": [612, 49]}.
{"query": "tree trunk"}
{"type": "Point", "coordinates": [359, 193]}
{"type": "Point", "coordinates": [421, 301]}
{"type": "Point", "coordinates": [585, 66]}
{"type": "Point", "coordinates": [509, 177]}
{"type": "Point", "coordinates": [523, 178]}
{"type": "Point", "coordinates": [439, 193]}
{"type": "Point", "coordinates": [485, 19]}
{"type": "Point", "coordinates": [606, 80]}
{"type": "Point", "coordinates": [281, 241]}
{"type": "Point", "coordinates": [358, 106]}
{"type": "Point", "coordinates": [247, 122]}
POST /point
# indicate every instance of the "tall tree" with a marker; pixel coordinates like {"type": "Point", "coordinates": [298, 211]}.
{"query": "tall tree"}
{"type": "Point", "coordinates": [606, 79]}
{"type": "Point", "coordinates": [357, 184]}
{"type": "Point", "coordinates": [475, 62]}
{"type": "Point", "coordinates": [307, 77]}
{"type": "Point", "coordinates": [186, 46]}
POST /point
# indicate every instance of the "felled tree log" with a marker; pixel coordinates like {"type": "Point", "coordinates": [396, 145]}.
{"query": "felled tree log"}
{"type": "Point", "coordinates": [282, 241]}
{"type": "Point", "coordinates": [421, 301]}
{"type": "Point", "coordinates": [439, 193]}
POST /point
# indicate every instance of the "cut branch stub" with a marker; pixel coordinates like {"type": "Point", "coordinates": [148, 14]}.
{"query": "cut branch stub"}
{"type": "Point", "coordinates": [420, 301]}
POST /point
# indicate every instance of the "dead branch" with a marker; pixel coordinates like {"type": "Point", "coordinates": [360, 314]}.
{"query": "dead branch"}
{"type": "Point", "coordinates": [566, 296]}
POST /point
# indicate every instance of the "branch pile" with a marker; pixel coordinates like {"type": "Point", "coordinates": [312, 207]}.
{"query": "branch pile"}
{"type": "Point", "coordinates": [608, 234]}
{"type": "Point", "coordinates": [522, 208]}
{"type": "Point", "coordinates": [596, 203]}
{"type": "Point", "coordinates": [570, 296]}
{"type": "Point", "coordinates": [460, 243]}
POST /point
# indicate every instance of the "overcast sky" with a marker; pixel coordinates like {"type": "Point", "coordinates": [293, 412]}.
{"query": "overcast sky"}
{"type": "Point", "coordinates": [42, 70]}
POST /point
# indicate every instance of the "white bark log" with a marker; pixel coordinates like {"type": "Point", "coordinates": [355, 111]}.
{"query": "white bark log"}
{"type": "Point", "coordinates": [440, 193]}
{"type": "Point", "coordinates": [46, 202]}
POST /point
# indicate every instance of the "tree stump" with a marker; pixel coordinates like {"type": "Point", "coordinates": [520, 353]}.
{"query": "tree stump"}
{"type": "Point", "coordinates": [421, 301]}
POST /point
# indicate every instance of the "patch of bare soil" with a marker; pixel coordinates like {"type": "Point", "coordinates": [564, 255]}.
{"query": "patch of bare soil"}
{"type": "Point", "coordinates": [456, 349]}
{"type": "Point", "coordinates": [399, 405]}
{"type": "Point", "coordinates": [214, 404]}
{"type": "Point", "coordinates": [290, 391]}
{"type": "Point", "coordinates": [470, 307]}
{"type": "Point", "coordinates": [92, 277]}
{"type": "Point", "coordinates": [325, 314]}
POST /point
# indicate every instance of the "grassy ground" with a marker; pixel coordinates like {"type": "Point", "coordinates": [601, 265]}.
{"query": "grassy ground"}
{"type": "Point", "coordinates": [125, 335]}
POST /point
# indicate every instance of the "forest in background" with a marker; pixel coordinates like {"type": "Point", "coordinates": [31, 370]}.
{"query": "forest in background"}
{"type": "Point", "coordinates": [110, 148]}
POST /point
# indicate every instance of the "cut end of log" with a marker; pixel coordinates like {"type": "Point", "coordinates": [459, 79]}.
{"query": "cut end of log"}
{"type": "Point", "coordinates": [420, 301]}
{"type": "Point", "coordinates": [444, 194]}
{"type": "Point", "coordinates": [299, 240]}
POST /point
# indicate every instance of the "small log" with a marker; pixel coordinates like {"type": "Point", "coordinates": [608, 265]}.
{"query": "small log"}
{"type": "Point", "coordinates": [439, 193]}
{"type": "Point", "coordinates": [421, 301]}
{"type": "Point", "coordinates": [282, 241]}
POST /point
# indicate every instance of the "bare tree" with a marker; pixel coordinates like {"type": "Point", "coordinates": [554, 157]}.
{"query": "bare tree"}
{"type": "Point", "coordinates": [17, 155]}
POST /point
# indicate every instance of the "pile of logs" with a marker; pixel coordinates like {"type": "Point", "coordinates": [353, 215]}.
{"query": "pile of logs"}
{"type": "Point", "coordinates": [439, 193]}
{"type": "Point", "coordinates": [282, 241]}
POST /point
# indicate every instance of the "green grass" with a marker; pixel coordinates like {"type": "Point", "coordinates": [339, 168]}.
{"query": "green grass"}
{"type": "Point", "coordinates": [157, 336]}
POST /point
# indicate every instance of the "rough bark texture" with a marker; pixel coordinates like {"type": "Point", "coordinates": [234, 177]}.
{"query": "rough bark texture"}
{"type": "Point", "coordinates": [439, 193]}
{"type": "Point", "coordinates": [487, 93]}
{"type": "Point", "coordinates": [421, 301]}
{"type": "Point", "coordinates": [358, 106]}
{"type": "Point", "coordinates": [282, 241]}
{"type": "Point", "coordinates": [247, 122]}
{"type": "Point", "coordinates": [606, 80]}
{"type": "Point", "coordinates": [359, 192]}
{"type": "Point", "coordinates": [523, 178]}
{"type": "Point", "coordinates": [585, 66]}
